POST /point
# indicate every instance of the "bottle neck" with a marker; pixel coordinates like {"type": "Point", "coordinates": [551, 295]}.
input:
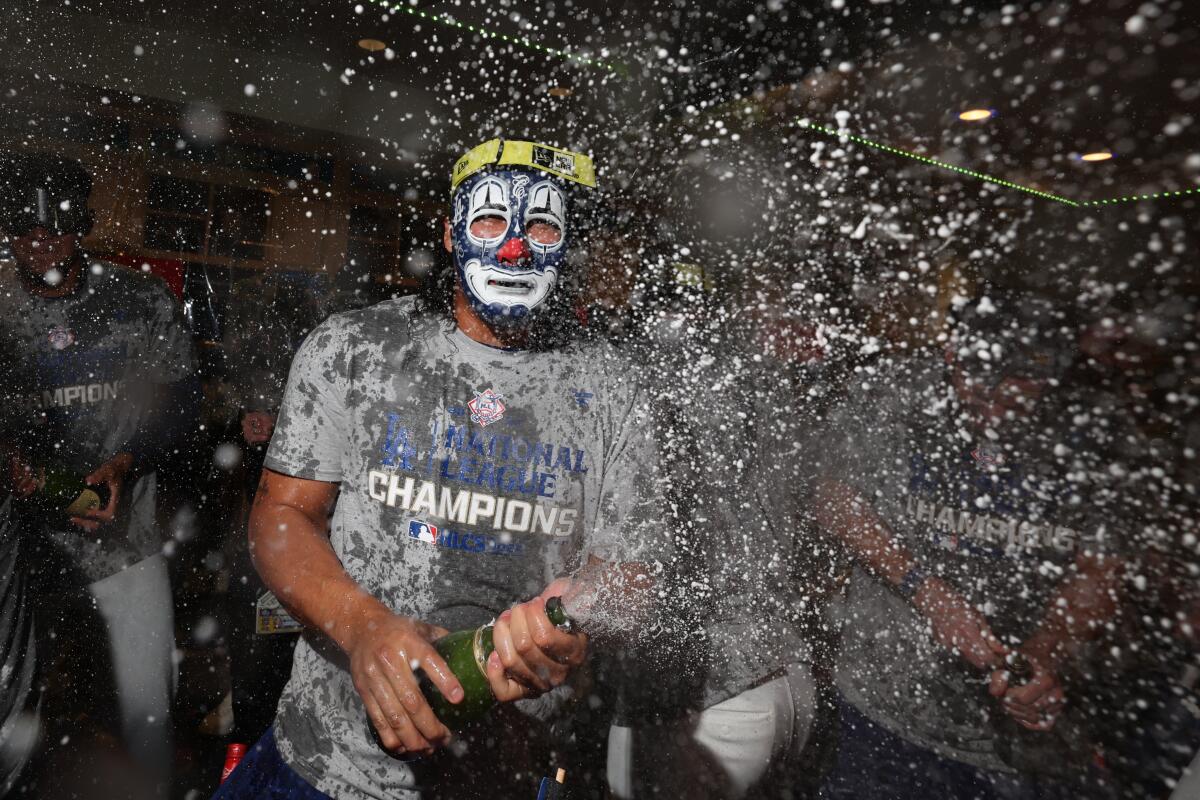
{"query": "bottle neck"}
{"type": "Point", "coordinates": [557, 614]}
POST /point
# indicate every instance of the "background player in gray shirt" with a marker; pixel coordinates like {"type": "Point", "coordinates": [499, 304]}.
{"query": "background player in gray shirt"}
{"type": "Point", "coordinates": [984, 522]}
{"type": "Point", "coordinates": [100, 381]}
{"type": "Point", "coordinates": [464, 468]}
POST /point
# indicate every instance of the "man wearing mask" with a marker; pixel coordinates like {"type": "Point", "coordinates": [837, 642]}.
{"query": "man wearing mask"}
{"type": "Point", "coordinates": [99, 384]}
{"type": "Point", "coordinates": [467, 463]}
{"type": "Point", "coordinates": [982, 518]}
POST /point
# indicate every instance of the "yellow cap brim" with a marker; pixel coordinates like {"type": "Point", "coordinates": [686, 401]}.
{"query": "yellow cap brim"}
{"type": "Point", "coordinates": [574, 167]}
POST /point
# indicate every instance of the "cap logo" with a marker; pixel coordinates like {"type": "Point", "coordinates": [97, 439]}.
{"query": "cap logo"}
{"type": "Point", "coordinates": [574, 167]}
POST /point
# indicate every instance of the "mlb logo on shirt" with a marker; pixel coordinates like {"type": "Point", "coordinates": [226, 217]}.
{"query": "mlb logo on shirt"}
{"type": "Point", "coordinates": [487, 407]}
{"type": "Point", "coordinates": [423, 531]}
{"type": "Point", "coordinates": [945, 541]}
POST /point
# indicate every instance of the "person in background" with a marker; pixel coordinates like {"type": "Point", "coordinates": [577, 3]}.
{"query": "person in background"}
{"type": "Point", "coordinates": [99, 381]}
{"type": "Point", "coordinates": [268, 319]}
{"type": "Point", "coordinates": [986, 528]}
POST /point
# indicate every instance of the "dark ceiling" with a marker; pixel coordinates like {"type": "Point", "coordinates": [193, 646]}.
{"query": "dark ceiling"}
{"type": "Point", "coordinates": [1065, 77]}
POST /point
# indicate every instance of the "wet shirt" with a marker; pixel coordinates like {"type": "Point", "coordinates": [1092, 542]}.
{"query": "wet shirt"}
{"type": "Point", "coordinates": [1001, 519]}
{"type": "Point", "coordinates": [81, 374]}
{"type": "Point", "coordinates": [470, 478]}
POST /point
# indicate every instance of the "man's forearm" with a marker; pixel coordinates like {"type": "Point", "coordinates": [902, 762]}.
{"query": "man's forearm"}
{"type": "Point", "coordinates": [1081, 607]}
{"type": "Point", "coordinates": [297, 563]}
{"type": "Point", "coordinates": [843, 512]}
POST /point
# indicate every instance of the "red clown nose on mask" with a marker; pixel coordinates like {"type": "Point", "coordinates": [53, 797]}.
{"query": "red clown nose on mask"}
{"type": "Point", "coordinates": [514, 251]}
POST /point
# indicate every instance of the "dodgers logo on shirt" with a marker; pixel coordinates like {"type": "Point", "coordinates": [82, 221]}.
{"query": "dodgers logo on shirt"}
{"type": "Point", "coordinates": [61, 338]}
{"type": "Point", "coordinates": [487, 407]}
{"type": "Point", "coordinates": [423, 531]}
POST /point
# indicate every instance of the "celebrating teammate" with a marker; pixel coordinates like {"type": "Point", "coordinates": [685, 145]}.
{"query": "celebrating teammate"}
{"type": "Point", "coordinates": [981, 515]}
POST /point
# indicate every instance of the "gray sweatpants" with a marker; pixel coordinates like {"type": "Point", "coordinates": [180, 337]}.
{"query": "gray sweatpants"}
{"type": "Point", "coordinates": [725, 751]}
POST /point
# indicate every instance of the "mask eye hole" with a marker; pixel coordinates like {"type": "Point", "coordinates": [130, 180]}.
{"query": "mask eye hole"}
{"type": "Point", "coordinates": [543, 232]}
{"type": "Point", "coordinates": [545, 215]}
{"type": "Point", "coordinates": [488, 227]}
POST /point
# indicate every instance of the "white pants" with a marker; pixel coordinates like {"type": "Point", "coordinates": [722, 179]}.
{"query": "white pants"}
{"type": "Point", "coordinates": [136, 607]}
{"type": "Point", "coordinates": [721, 752]}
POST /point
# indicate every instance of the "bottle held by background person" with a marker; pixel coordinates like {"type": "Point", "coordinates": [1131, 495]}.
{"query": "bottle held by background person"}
{"type": "Point", "coordinates": [63, 491]}
{"type": "Point", "coordinates": [1064, 751]}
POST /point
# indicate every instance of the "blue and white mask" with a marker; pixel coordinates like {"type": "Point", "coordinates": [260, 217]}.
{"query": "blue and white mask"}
{"type": "Point", "coordinates": [508, 277]}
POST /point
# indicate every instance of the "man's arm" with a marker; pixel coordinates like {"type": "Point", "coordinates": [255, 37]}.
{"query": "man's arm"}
{"type": "Point", "coordinates": [843, 512]}
{"type": "Point", "coordinates": [1076, 615]}
{"type": "Point", "coordinates": [1083, 604]}
{"type": "Point", "coordinates": [290, 547]}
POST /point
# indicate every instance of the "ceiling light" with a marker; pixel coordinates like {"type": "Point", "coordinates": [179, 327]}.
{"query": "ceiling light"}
{"type": "Point", "coordinates": [1099, 155]}
{"type": "Point", "coordinates": [976, 114]}
{"type": "Point", "coordinates": [561, 91]}
{"type": "Point", "coordinates": [372, 45]}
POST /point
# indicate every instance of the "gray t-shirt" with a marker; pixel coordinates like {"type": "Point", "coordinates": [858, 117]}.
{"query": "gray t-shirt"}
{"type": "Point", "coordinates": [470, 478]}
{"type": "Point", "coordinates": [81, 373]}
{"type": "Point", "coordinates": [1002, 520]}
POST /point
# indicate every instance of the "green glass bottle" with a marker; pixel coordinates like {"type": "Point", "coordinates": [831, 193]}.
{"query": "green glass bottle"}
{"type": "Point", "coordinates": [64, 492]}
{"type": "Point", "coordinates": [466, 654]}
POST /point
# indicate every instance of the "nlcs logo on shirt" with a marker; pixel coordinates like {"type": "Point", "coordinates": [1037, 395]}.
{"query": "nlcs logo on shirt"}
{"type": "Point", "coordinates": [487, 407]}
{"type": "Point", "coordinates": [423, 531]}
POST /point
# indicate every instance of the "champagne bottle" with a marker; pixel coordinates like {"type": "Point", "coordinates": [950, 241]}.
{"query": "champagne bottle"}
{"type": "Point", "coordinates": [64, 492]}
{"type": "Point", "coordinates": [1062, 752]}
{"type": "Point", "coordinates": [466, 653]}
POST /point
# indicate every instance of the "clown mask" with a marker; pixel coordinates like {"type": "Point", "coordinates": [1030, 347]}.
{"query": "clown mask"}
{"type": "Point", "coordinates": [509, 235]}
